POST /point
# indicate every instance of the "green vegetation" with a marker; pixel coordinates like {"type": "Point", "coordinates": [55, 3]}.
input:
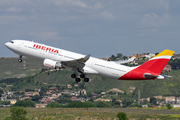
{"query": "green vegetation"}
{"type": "Point", "coordinates": [43, 78]}
{"type": "Point", "coordinates": [149, 88]}
{"type": "Point", "coordinates": [169, 106]}
{"type": "Point", "coordinates": [18, 113]}
{"type": "Point", "coordinates": [10, 68]}
{"type": "Point", "coordinates": [95, 113]}
{"type": "Point", "coordinates": [122, 116]}
{"type": "Point", "coordinates": [25, 103]}
{"type": "Point", "coordinates": [52, 105]}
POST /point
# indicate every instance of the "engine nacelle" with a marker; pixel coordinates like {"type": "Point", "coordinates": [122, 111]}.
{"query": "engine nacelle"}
{"type": "Point", "coordinates": [51, 64]}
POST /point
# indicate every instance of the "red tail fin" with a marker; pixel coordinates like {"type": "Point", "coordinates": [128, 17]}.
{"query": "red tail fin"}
{"type": "Point", "coordinates": [157, 63]}
{"type": "Point", "coordinates": [150, 69]}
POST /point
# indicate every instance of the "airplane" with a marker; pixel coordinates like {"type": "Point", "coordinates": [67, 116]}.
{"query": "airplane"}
{"type": "Point", "coordinates": [85, 64]}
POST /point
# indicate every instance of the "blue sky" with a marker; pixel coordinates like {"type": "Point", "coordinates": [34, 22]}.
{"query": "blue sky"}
{"type": "Point", "coordinates": [97, 27]}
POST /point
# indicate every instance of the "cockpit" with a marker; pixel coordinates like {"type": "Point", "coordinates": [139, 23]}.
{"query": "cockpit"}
{"type": "Point", "coordinates": [11, 41]}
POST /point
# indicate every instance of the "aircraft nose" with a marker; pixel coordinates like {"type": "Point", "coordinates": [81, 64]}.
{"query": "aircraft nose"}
{"type": "Point", "coordinates": [7, 44]}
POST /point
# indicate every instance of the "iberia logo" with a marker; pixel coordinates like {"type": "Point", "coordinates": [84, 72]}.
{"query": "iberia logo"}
{"type": "Point", "coordinates": [45, 48]}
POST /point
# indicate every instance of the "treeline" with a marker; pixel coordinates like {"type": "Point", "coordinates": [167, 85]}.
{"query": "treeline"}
{"type": "Point", "coordinates": [175, 64]}
{"type": "Point", "coordinates": [117, 57]}
{"type": "Point", "coordinates": [72, 104]}
{"type": "Point", "coordinates": [78, 104]}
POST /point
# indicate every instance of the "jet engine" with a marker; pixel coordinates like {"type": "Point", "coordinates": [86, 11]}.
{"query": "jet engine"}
{"type": "Point", "coordinates": [52, 64]}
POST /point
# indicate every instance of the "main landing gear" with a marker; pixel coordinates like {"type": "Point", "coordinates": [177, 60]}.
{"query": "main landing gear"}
{"type": "Point", "coordinates": [77, 79]}
{"type": "Point", "coordinates": [20, 59]}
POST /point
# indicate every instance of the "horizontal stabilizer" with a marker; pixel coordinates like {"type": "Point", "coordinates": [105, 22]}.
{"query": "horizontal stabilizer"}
{"type": "Point", "coordinates": [149, 76]}
{"type": "Point", "coordinates": [166, 76]}
{"type": "Point", "coordinates": [124, 61]}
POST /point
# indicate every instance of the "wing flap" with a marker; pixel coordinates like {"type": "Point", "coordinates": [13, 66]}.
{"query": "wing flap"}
{"type": "Point", "coordinates": [78, 63]}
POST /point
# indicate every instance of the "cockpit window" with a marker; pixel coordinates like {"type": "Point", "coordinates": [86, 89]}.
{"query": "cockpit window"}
{"type": "Point", "coordinates": [11, 41]}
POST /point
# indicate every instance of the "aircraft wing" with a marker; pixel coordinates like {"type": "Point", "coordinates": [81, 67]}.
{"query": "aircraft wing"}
{"type": "Point", "coordinates": [78, 63]}
{"type": "Point", "coordinates": [124, 61]}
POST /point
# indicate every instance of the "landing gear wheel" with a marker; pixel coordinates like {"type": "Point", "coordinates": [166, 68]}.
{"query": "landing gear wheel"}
{"type": "Point", "coordinates": [20, 60]}
{"type": "Point", "coordinates": [73, 75]}
{"type": "Point", "coordinates": [86, 79]}
{"type": "Point", "coordinates": [82, 76]}
{"type": "Point", "coordinates": [78, 79]}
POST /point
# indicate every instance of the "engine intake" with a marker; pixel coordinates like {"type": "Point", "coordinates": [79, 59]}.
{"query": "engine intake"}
{"type": "Point", "coordinates": [52, 64]}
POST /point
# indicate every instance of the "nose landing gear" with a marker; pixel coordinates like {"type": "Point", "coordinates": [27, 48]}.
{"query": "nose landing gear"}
{"type": "Point", "coordinates": [20, 59]}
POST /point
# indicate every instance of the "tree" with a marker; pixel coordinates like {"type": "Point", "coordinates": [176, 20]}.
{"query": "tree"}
{"type": "Point", "coordinates": [113, 100]}
{"type": "Point", "coordinates": [1, 92]}
{"type": "Point", "coordinates": [25, 103]}
{"type": "Point", "coordinates": [145, 102]}
{"type": "Point", "coordinates": [169, 106]}
{"type": "Point", "coordinates": [122, 116]}
{"type": "Point", "coordinates": [117, 103]}
{"type": "Point", "coordinates": [91, 99]}
{"type": "Point", "coordinates": [102, 105]}
{"type": "Point", "coordinates": [112, 58]}
{"type": "Point", "coordinates": [126, 103]}
{"type": "Point", "coordinates": [125, 57]}
{"type": "Point", "coordinates": [58, 87]}
{"type": "Point", "coordinates": [36, 98]}
{"type": "Point", "coordinates": [52, 105]}
{"type": "Point", "coordinates": [156, 53]}
{"type": "Point", "coordinates": [42, 88]}
{"type": "Point", "coordinates": [81, 85]}
{"type": "Point", "coordinates": [153, 100]}
{"type": "Point", "coordinates": [119, 55]}
{"type": "Point", "coordinates": [18, 113]}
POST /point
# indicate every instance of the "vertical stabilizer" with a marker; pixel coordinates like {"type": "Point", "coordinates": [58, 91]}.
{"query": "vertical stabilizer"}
{"type": "Point", "coordinates": [158, 62]}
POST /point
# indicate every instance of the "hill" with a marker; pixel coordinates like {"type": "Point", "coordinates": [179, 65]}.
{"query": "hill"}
{"type": "Point", "coordinates": [11, 68]}
{"type": "Point", "coordinates": [36, 77]}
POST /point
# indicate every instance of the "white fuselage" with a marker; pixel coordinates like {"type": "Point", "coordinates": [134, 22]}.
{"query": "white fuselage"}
{"type": "Point", "coordinates": [92, 66]}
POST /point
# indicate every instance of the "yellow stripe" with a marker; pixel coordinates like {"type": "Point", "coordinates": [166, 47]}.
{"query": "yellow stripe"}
{"type": "Point", "coordinates": [165, 53]}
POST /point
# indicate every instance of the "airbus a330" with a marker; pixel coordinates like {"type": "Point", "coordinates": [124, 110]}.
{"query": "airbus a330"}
{"type": "Point", "coordinates": [85, 64]}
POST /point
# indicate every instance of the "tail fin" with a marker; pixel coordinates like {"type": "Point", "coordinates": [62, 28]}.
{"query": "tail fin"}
{"type": "Point", "coordinates": [157, 63]}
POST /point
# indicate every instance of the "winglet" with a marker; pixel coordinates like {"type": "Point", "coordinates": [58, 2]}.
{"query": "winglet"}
{"type": "Point", "coordinates": [87, 57]}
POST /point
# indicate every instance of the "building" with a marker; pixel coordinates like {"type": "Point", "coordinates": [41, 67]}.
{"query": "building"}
{"type": "Point", "coordinates": [150, 55]}
{"type": "Point", "coordinates": [144, 105]}
{"type": "Point", "coordinates": [37, 90]}
{"type": "Point", "coordinates": [69, 86]}
{"type": "Point", "coordinates": [9, 85]}
{"type": "Point", "coordinates": [76, 84]}
{"type": "Point", "coordinates": [66, 92]}
{"type": "Point", "coordinates": [115, 90]}
{"type": "Point", "coordinates": [40, 105]}
{"type": "Point", "coordinates": [12, 101]}
{"type": "Point", "coordinates": [82, 99]}
{"type": "Point", "coordinates": [28, 94]}
{"type": "Point", "coordinates": [131, 89]}
{"type": "Point", "coordinates": [82, 92]}
{"type": "Point", "coordinates": [35, 93]}
{"type": "Point", "coordinates": [74, 98]}
{"type": "Point", "coordinates": [104, 100]}
{"type": "Point", "coordinates": [53, 88]}
{"type": "Point", "coordinates": [47, 101]}
{"type": "Point", "coordinates": [167, 68]}
{"type": "Point", "coordinates": [170, 99]}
